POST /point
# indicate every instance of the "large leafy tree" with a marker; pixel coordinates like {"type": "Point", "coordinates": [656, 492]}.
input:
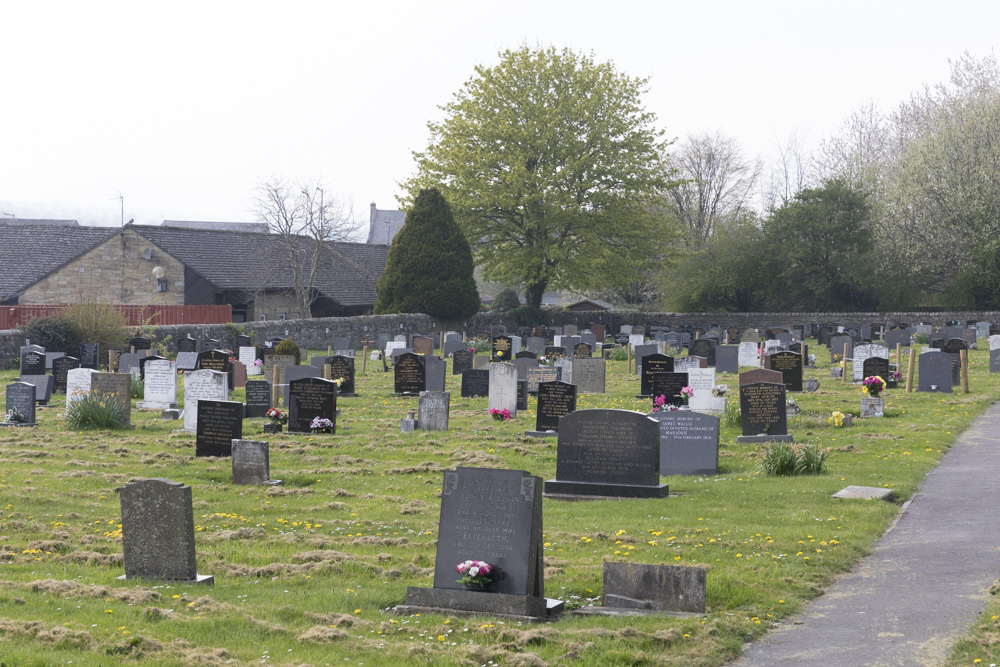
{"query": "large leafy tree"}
{"type": "Point", "coordinates": [552, 166]}
{"type": "Point", "coordinates": [429, 267]}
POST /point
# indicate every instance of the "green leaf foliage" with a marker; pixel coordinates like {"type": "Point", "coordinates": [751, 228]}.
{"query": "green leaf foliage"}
{"type": "Point", "coordinates": [552, 166]}
{"type": "Point", "coordinates": [289, 347]}
{"type": "Point", "coordinates": [429, 268]}
{"type": "Point", "coordinates": [506, 300]}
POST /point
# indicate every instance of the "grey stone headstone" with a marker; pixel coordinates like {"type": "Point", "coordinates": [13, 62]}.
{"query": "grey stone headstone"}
{"type": "Point", "coordinates": [436, 369]}
{"type": "Point", "coordinates": [837, 347]}
{"type": "Point", "coordinates": [50, 358]}
{"type": "Point", "coordinates": [258, 394]}
{"type": "Point", "coordinates": [565, 367]}
{"type": "Point", "coordinates": [186, 361]}
{"type": "Point", "coordinates": [589, 375]}
{"type": "Point", "coordinates": [461, 360]}
{"type": "Point", "coordinates": [219, 423]}
{"type": "Point", "coordinates": [536, 344]}
{"type": "Point", "coordinates": [21, 395]}
{"type": "Point", "coordinates": [898, 337]}
{"type": "Point", "coordinates": [689, 442]}
{"type": "Point", "coordinates": [811, 385]}
{"type": "Point", "coordinates": [43, 386]}
{"type": "Point", "coordinates": [524, 364]}
{"type": "Point", "coordinates": [654, 587]}
{"type": "Point", "coordinates": [541, 374]}
{"type": "Point", "coordinates": [994, 341]}
{"type": "Point", "coordinates": [613, 453]}
{"type": "Point", "coordinates": [934, 372]}
{"type": "Point", "coordinates": [727, 359]}
{"type": "Point", "coordinates": [982, 329]}
{"type": "Point", "coordinates": [158, 530]}
{"type": "Point", "coordinates": [995, 361]}
{"type": "Point", "coordinates": [475, 382]}
{"type": "Point", "coordinates": [251, 462]}
{"type": "Point", "coordinates": [481, 362]}
{"type": "Point", "coordinates": [202, 385]}
{"type": "Point", "coordinates": [128, 361]}
{"type": "Point", "coordinates": [453, 346]}
{"type": "Point", "coordinates": [61, 367]}
{"type": "Point", "coordinates": [432, 410]}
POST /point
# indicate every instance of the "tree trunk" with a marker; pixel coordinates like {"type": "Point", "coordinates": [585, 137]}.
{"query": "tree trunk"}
{"type": "Point", "coordinates": [533, 292]}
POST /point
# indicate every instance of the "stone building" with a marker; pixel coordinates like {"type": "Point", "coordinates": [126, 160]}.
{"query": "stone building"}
{"type": "Point", "coordinates": [184, 265]}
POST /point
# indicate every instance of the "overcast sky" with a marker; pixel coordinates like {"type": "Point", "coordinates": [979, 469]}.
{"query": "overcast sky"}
{"type": "Point", "coordinates": [182, 107]}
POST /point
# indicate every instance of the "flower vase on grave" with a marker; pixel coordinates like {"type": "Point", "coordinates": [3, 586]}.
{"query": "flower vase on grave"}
{"type": "Point", "coordinates": [872, 407]}
{"type": "Point", "coordinates": [272, 427]}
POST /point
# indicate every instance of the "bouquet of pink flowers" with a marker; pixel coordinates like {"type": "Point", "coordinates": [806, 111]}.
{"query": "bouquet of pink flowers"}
{"type": "Point", "coordinates": [660, 405]}
{"type": "Point", "coordinates": [474, 573]}
{"type": "Point", "coordinates": [687, 393]}
{"type": "Point", "coordinates": [500, 415]}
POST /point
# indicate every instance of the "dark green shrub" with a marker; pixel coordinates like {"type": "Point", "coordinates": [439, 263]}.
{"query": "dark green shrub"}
{"type": "Point", "coordinates": [505, 301]}
{"type": "Point", "coordinates": [783, 458]}
{"type": "Point", "coordinates": [95, 322]}
{"type": "Point", "coordinates": [55, 333]}
{"type": "Point", "coordinates": [289, 347]}
{"type": "Point", "coordinates": [529, 316]}
{"type": "Point", "coordinates": [429, 268]}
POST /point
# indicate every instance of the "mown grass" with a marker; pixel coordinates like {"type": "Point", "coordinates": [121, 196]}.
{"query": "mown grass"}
{"type": "Point", "coordinates": [306, 574]}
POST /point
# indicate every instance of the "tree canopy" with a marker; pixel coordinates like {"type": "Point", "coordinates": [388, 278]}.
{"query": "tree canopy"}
{"type": "Point", "coordinates": [429, 267]}
{"type": "Point", "coordinates": [552, 166]}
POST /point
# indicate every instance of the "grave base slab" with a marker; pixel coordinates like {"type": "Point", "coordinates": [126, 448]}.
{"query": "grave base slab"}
{"type": "Point", "coordinates": [205, 579]}
{"type": "Point", "coordinates": [542, 434]}
{"type": "Point", "coordinates": [618, 611]}
{"type": "Point", "coordinates": [155, 405]}
{"type": "Point", "coordinates": [757, 439]}
{"type": "Point", "coordinates": [351, 395]}
{"type": "Point", "coordinates": [473, 603]}
{"type": "Point", "coordinates": [18, 424]}
{"type": "Point", "coordinates": [556, 488]}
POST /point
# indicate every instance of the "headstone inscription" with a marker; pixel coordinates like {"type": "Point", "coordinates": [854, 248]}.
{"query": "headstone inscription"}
{"type": "Point", "coordinates": [90, 355]}
{"type": "Point", "coordinates": [251, 462]}
{"type": "Point", "coordinates": [160, 391]}
{"type": "Point", "coordinates": [503, 349]}
{"type": "Point", "coordinates": [669, 386]}
{"type": "Point", "coordinates": [503, 387]}
{"type": "Point", "coordinates": [539, 375]}
{"type": "Point", "coordinates": [158, 531]}
{"type": "Point", "coordinates": [877, 366]}
{"type": "Point", "coordinates": [934, 372]}
{"type": "Point", "coordinates": [258, 394]}
{"type": "Point", "coordinates": [684, 364]}
{"type": "Point", "coordinates": [435, 369]}
{"type": "Point", "coordinates": [248, 357]}
{"type": "Point", "coordinates": [652, 364]}
{"type": "Point", "coordinates": [21, 396]}
{"type": "Point", "coordinates": [187, 344]}
{"type": "Point", "coordinates": [409, 374]}
{"type": "Point", "coordinates": [309, 398]}
{"type": "Point", "coordinates": [432, 410]}
{"type": "Point", "coordinates": [789, 364]}
{"type": "Point", "coordinates": [342, 368]}
{"type": "Point", "coordinates": [461, 360]}
{"type": "Point", "coordinates": [202, 385]}
{"type": "Point", "coordinates": [689, 443]}
{"type": "Point", "coordinates": [555, 400]}
{"type": "Point", "coordinates": [612, 453]}
{"type": "Point", "coordinates": [219, 423]}
{"type": "Point", "coordinates": [145, 360]}
{"type": "Point", "coordinates": [475, 383]}
{"type": "Point", "coordinates": [32, 361]}
{"type": "Point", "coordinates": [214, 360]}
{"type": "Point", "coordinates": [863, 352]}
{"type": "Point", "coordinates": [589, 375]}
{"type": "Point", "coordinates": [554, 352]}
{"type": "Point", "coordinates": [60, 372]}
{"type": "Point", "coordinates": [762, 410]}
{"type": "Point", "coordinates": [423, 345]}
{"type": "Point", "coordinates": [701, 381]}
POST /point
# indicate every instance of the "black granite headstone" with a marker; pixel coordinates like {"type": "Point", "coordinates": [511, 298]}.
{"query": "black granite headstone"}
{"type": "Point", "coordinates": [541, 374]}
{"type": "Point", "coordinates": [935, 372]}
{"type": "Point", "coordinates": [475, 383]}
{"type": "Point", "coordinates": [461, 360]}
{"type": "Point", "coordinates": [522, 394]}
{"type": "Point", "coordinates": [762, 409]}
{"type": "Point", "coordinates": [669, 385]}
{"type": "Point", "coordinates": [503, 348]}
{"type": "Point", "coordinates": [703, 347]}
{"type": "Point", "coordinates": [555, 400]}
{"type": "Point", "coordinates": [876, 366]}
{"type": "Point", "coordinates": [790, 366]}
{"type": "Point", "coordinates": [342, 368]}
{"type": "Point", "coordinates": [90, 355]}
{"type": "Point", "coordinates": [652, 364]}
{"type": "Point", "coordinates": [258, 398]}
{"type": "Point", "coordinates": [582, 351]}
{"type": "Point", "coordinates": [60, 367]}
{"type": "Point", "coordinates": [409, 374]}
{"type": "Point", "coordinates": [309, 398]}
{"type": "Point", "coordinates": [139, 343]}
{"type": "Point", "coordinates": [32, 363]}
{"type": "Point", "coordinates": [525, 354]}
{"type": "Point", "coordinates": [187, 344]}
{"type": "Point", "coordinates": [552, 352]}
{"type": "Point", "coordinates": [219, 423]}
{"type": "Point", "coordinates": [214, 360]}
{"type": "Point", "coordinates": [727, 359]}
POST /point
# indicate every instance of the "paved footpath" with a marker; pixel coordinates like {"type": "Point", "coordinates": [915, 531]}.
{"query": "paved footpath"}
{"type": "Point", "coordinates": [926, 581]}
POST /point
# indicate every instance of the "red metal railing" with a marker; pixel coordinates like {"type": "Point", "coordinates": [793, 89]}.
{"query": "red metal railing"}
{"type": "Point", "coordinates": [12, 317]}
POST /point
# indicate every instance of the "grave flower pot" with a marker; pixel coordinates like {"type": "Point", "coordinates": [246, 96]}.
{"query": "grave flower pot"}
{"type": "Point", "coordinates": [272, 427]}
{"type": "Point", "coordinates": [872, 407]}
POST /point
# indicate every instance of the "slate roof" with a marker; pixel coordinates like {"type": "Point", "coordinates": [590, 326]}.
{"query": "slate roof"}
{"type": "Point", "coordinates": [249, 261]}
{"type": "Point", "coordinates": [257, 227]}
{"type": "Point", "coordinates": [41, 221]}
{"type": "Point", "coordinates": [29, 252]}
{"type": "Point", "coordinates": [383, 225]}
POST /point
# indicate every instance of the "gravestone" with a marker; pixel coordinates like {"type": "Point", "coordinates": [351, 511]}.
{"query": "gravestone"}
{"type": "Point", "coordinates": [761, 375]}
{"type": "Point", "coordinates": [554, 352]}
{"type": "Point", "coordinates": [877, 366]}
{"type": "Point", "coordinates": [453, 346]}
{"type": "Point", "coordinates": [239, 374]}
{"type": "Point", "coordinates": [432, 410]}
{"type": "Point", "coordinates": [610, 453]}
{"type": "Point", "coordinates": [689, 442]}
{"type": "Point", "coordinates": [589, 375]}
{"type": "Point", "coordinates": [749, 355]}
{"type": "Point", "coordinates": [42, 385]}
{"type": "Point", "coordinates": [982, 329]}
{"type": "Point", "coordinates": [209, 344]}
{"type": "Point", "coordinates": [495, 516]}
{"type": "Point", "coordinates": [582, 351]}
{"type": "Point", "coordinates": [21, 395]}
{"type": "Point", "coordinates": [158, 532]}
{"type": "Point", "coordinates": [503, 349]}
{"type": "Point", "coordinates": [202, 385]}
{"type": "Point", "coordinates": [565, 367]}
{"type": "Point", "coordinates": [90, 355]}
{"type": "Point", "coordinates": [536, 344]}
{"type": "Point", "coordinates": [762, 411]}
{"type": "Point", "coordinates": [295, 373]}
{"type": "Point", "coordinates": [391, 347]}
{"type": "Point", "coordinates": [219, 423]}
{"type": "Point", "coordinates": [461, 360]}
{"type": "Point", "coordinates": [343, 344]}
{"type": "Point", "coordinates": [309, 398]}
{"type": "Point", "coordinates": [342, 368]}
{"type": "Point", "coordinates": [214, 360]}
{"type": "Point", "coordinates": [898, 337]}
{"type": "Point", "coordinates": [251, 463]}
{"type": "Point", "coordinates": [435, 370]}
{"type": "Point", "coordinates": [669, 386]}
{"type": "Point", "coordinates": [188, 361]}
{"type": "Point", "coordinates": [139, 343]}
{"type": "Point", "coordinates": [652, 364]}
{"type": "Point", "coordinates": [954, 347]}
{"type": "Point", "coordinates": [701, 380]}
{"type": "Point", "coordinates": [522, 395]}
{"type": "Point", "coordinates": [248, 357]}
{"type": "Point", "coordinates": [837, 347]}
{"type": "Point", "coordinates": [811, 385]}
{"type": "Point", "coordinates": [541, 374]}
{"type": "Point", "coordinates": [481, 363]}
{"type": "Point", "coordinates": [283, 361]}
{"type": "Point", "coordinates": [32, 361]}
{"type": "Point", "coordinates": [77, 383]}
{"type": "Point", "coordinates": [145, 360]}
{"type": "Point", "coordinates": [590, 339]}
{"type": "Point", "coordinates": [187, 344]}
{"type": "Point", "coordinates": [475, 383]}
{"type": "Point", "coordinates": [703, 347]}
{"type": "Point", "coordinates": [684, 364]}
{"type": "Point", "coordinates": [598, 331]}
{"type": "Point", "coordinates": [994, 341]}
{"type": "Point", "coordinates": [524, 364]}
{"type": "Point", "coordinates": [409, 374]}
{"type": "Point", "coordinates": [863, 352]}
{"type": "Point", "coordinates": [641, 351]}
{"type": "Point", "coordinates": [789, 364]}
{"type": "Point", "coordinates": [242, 340]}
{"type": "Point", "coordinates": [995, 361]}
{"type": "Point", "coordinates": [258, 393]}
{"type": "Point", "coordinates": [555, 400]}
{"type": "Point", "coordinates": [503, 387]}
{"type": "Point", "coordinates": [60, 372]}
{"type": "Point", "coordinates": [423, 345]}
{"type": "Point", "coordinates": [160, 391]}
{"type": "Point", "coordinates": [934, 372]}
{"type": "Point", "coordinates": [50, 357]}
{"type": "Point", "coordinates": [727, 359]}
{"type": "Point", "coordinates": [636, 339]}
{"type": "Point", "coordinates": [570, 329]}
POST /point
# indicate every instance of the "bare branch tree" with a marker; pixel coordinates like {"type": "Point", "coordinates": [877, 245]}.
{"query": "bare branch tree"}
{"type": "Point", "coordinates": [790, 172]}
{"type": "Point", "coordinates": [305, 219]}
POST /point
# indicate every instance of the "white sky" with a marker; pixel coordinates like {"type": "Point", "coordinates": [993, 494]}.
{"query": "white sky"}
{"type": "Point", "coordinates": [183, 107]}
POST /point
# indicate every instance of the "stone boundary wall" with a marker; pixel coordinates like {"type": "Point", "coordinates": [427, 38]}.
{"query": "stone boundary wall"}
{"type": "Point", "coordinates": [320, 332]}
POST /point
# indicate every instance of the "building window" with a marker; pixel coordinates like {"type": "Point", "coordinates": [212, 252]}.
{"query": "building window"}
{"type": "Point", "coordinates": [281, 316]}
{"type": "Point", "coordinates": [295, 316]}
{"type": "Point", "coordinates": [161, 284]}
{"type": "Point", "coordinates": [263, 317]}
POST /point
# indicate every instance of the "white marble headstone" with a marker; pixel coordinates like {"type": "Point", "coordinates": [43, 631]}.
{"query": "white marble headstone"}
{"type": "Point", "coordinates": [748, 355]}
{"type": "Point", "coordinates": [862, 352]}
{"type": "Point", "coordinates": [202, 385]}
{"type": "Point", "coordinates": [160, 386]}
{"type": "Point", "coordinates": [77, 383]}
{"type": "Point", "coordinates": [503, 387]}
{"type": "Point", "coordinates": [701, 380]}
{"type": "Point", "coordinates": [248, 355]}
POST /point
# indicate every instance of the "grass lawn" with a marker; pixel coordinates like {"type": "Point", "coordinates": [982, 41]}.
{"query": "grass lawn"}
{"type": "Point", "coordinates": [306, 573]}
